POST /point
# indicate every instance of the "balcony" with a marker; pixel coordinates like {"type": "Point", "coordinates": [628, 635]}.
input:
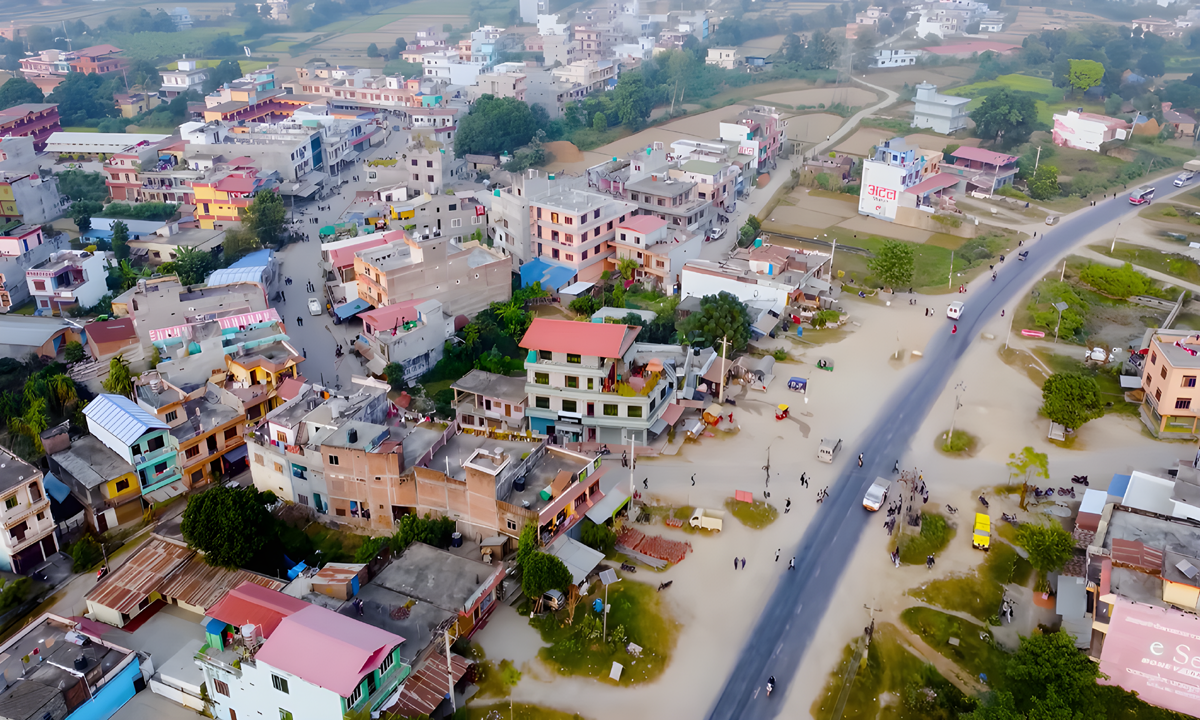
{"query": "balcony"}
{"type": "Point", "coordinates": [152, 480]}
{"type": "Point", "coordinates": [23, 511]}
{"type": "Point", "coordinates": [151, 456]}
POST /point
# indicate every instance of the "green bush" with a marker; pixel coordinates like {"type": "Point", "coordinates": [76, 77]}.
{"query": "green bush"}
{"type": "Point", "coordinates": [1169, 211]}
{"type": "Point", "coordinates": [948, 220]}
{"type": "Point", "coordinates": [1012, 192]}
{"type": "Point", "coordinates": [823, 318]}
{"type": "Point", "coordinates": [85, 554]}
{"type": "Point", "coordinates": [598, 537]}
{"type": "Point", "coordinates": [934, 537]}
{"type": "Point", "coordinates": [1118, 282]}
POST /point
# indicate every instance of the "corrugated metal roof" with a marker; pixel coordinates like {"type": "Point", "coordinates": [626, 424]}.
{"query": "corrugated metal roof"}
{"type": "Point", "coordinates": [199, 584]}
{"type": "Point", "coordinates": [1137, 555]}
{"type": "Point", "coordinates": [424, 691]}
{"type": "Point", "coordinates": [122, 417]}
{"type": "Point", "coordinates": [251, 603]}
{"type": "Point", "coordinates": [228, 275]}
{"type": "Point", "coordinates": [142, 574]}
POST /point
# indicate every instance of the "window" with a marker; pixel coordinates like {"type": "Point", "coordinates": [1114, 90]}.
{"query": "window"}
{"type": "Point", "coordinates": [542, 402]}
{"type": "Point", "coordinates": [455, 222]}
{"type": "Point", "coordinates": [573, 359]}
{"type": "Point", "coordinates": [191, 452]}
{"type": "Point", "coordinates": [554, 217]}
{"type": "Point", "coordinates": [354, 696]}
{"type": "Point", "coordinates": [231, 433]}
{"type": "Point", "coordinates": [1183, 403]}
{"type": "Point", "coordinates": [610, 410]}
{"type": "Point", "coordinates": [569, 406]}
{"type": "Point", "coordinates": [635, 411]}
{"type": "Point", "coordinates": [279, 683]}
{"type": "Point", "coordinates": [10, 503]}
{"type": "Point", "coordinates": [171, 416]}
{"type": "Point", "coordinates": [278, 467]}
{"type": "Point", "coordinates": [299, 471]}
{"type": "Point", "coordinates": [333, 460]}
{"type": "Point", "coordinates": [596, 214]}
{"type": "Point", "coordinates": [41, 516]}
{"type": "Point", "coordinates": [541, 378]}
{"type": "Point", "coordinates": [386, 664]}
{"type": "Point", "coordinates": [123, 485]}
{"type": "Point", "coordinates": [197, 476]}
{"type": "Point", "coordinates": [572, 381]}
{"type": "Point", "coordinates": [1164, 372]}
{"type": "Point", "coordinates": [569, 220]}
{"type": "Point", "coordinates": [633, 196]}
{"type": "Point", "coordinates": [1153, 358]}
{"type": "Point", "coordinates": [545, 355]}
{"type": "Point", "coordinates": [590, 383]}
{"type": "Point", "coordinates": [512, 524]}
{"type": "Point", "coordinates": [221, 687]}
{"type": "Point", "coordinates": [1158, 394]}
{"type": "Point", "coordinates": [302, 499]}
{"type": "Point", "coordinates": [1189, 381]}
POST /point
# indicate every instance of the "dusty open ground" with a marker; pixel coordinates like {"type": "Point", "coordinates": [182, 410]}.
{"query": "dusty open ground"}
{"type": "Point", "coordinates": [848, 96]}
{"type": "Point", "coordinates": [863, 139]}
{"type": "Point", "coordinates": [762, 46]}
{"type": "Point", "coordinates": [938, 142]}
{"type": "Point", "coordinates": [813, 128]}
{"type": "Point", "coordinates": [940, 76]}
{"type": "Point", "coordinates": [717, 606]}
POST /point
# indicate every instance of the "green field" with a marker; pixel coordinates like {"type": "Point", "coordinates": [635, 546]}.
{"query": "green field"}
{"type": "Point", "coordinates": [154, 45]}
{"type": "Point", "coordinates": [245, 65]}
{"type": "Point", "coordinates": [1050, 100]}
{"type": "Point", "coordinates": [495, 11]}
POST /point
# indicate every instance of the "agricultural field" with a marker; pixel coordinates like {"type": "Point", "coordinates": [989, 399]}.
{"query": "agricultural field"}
{"type": "Point", "coordinates": [154, 45]}
{"type": "Point", "coordinates": [1050, 99]}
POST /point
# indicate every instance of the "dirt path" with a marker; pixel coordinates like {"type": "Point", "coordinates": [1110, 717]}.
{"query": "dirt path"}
{"type": "Point", "coordinates": [944, 665]}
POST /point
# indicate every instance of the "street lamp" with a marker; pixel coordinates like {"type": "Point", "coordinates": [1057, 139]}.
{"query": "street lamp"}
{"type": "Point", "coordinates": [607, 577]}
{"type": "Point", "coordinates": [1113, 248]}
{"type": "Point", "coordinates": [1059, 306]}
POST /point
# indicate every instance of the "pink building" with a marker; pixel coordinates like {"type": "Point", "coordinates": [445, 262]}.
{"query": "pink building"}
{"type": "Point", "coordinates": [21, 240]}
{"type": "Point", "coordinates": [1088, 131]}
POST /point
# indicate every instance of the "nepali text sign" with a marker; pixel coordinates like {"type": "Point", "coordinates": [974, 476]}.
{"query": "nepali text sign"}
{"type": "Point", "coordinates": [1154, 652]}
{"type": "Point", "coordinates": [881, 188]}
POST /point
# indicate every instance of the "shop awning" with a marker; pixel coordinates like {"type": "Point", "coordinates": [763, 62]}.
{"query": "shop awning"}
{"type": "Point", "coordinates": [658, 426]}
{"type": "Point", "coordinates": [166, 492]}
{"type": "Point", "coordinates": [327, 230]}
{"type": "Point", "coordinates": [238, 453]}
{"type": "Point", "coordinates": [672, 413]}
{"type": "Point", "coordinates": [608, 506]}
{"type": "Point", "coordinates": [351, 308]}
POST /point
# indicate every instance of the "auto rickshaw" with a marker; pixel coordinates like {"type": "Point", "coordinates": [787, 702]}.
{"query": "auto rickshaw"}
{"type": "Point", "coordinates": [798, 384]}
{"type": "Point", "coordinates": [781, 412]}
{"type": "Point", "coordinates": [825, 364]}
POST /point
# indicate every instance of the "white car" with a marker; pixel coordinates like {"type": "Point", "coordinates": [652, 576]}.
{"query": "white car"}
{"type": "Point", "coordinates": [954, 311]}
{"type": "Point", "coordinates": [314, 306]}
{"type": "Point", "coordinates": [717, 234]}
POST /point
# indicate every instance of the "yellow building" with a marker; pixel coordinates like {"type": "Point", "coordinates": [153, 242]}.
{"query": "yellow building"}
{"type": "Point", "coordinates": [267, 364]}
{"type": "Point", "coordinates": [131, 104]}
{"type": "Point", "coordinates": [104, 484]}
{"type": "Point", "coordinates": [224, 200]}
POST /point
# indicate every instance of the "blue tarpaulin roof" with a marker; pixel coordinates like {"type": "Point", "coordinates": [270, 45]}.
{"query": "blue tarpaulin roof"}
{"type": "Point", "coordinates": [256, 259]}
{"type": "Point", "coordinates": [1119, 485]}
{"type": "Point", "coordinates": [55, 487]}
{"type": "Point", "coordinates": [551, 276]}
{"type": "Point", "coordinates": [351, 308]}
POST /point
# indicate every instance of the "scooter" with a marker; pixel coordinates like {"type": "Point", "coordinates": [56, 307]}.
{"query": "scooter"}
{"type": "Point", "coordinates": [664, 586]}
{"type": "Point", "coordinates": [770, 685]}
{"type": "Point", "coordinates": [983, 501]}
{"type": "Point", "coordinates": [1080, 480]}
{"type": "Point", "coordinates": [950, 509]}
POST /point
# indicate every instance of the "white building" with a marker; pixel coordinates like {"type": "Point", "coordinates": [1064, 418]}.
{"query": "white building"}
{"type": "Point", "coordinates": [1088, 131]}
{"type": "Point", "coordinates": [943, 114]}
{"type": "Point", "coordinates": [723, 57]}
{"type": "Point", "coordinates": [531, 9]}
{"type": "Point", "coordinates": [446, 66]}
{"type": "Point", "coordinates": [888, 58]}
{"type": "Point", "coordinates": [186, 76]}
{"type": "Point", "coordinates": [69, 279]}
{"type": "Point", "coordinates": [412, 333]}
{"type": "Point", "coordinates": [549, 25]}
{"type": "Point", "coordinates": [26, 527]}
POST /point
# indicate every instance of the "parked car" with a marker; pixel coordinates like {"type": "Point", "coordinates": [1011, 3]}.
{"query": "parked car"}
{"type": "Point", "coordinates": [717, 234]}
{"type": "Point", "coordinates": [314, 306]}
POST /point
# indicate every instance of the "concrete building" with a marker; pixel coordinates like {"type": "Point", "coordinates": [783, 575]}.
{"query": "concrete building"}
{"type": "Point", "coordinates": [163, 308]}
{"type": "Point", "coordinates": [109, 338]}
{"type": "Point", "coordinates": [489, 401]}
{"type": "Point", "coordinates": [465, 279]}
{"type": "Point", "coordinates": [531, 10]}
{"type": "Point", "coordinates": [759, 132]}
{"type": "Point", "coordinates": [77, 674]}
{"type": "Point", "coordinates": [412, 333]}
{"type": "Point", "coordinates": [559, 50]}
{"type": "Point", "coordinates": [30, 198]}
{"type": "Point", "coordinates": [501, 85]}
{"type": "Point", "coordinates": [943, 114]}
{"type": "Point", "coordinates": [509, 216]}
{"type": "Point", "coordinates": [1088, 131]}
{"type": "Point", "coordinates": [673, 199]}
{"type": "Point", "coordinates": [723, 57]}
{"type": "Point", "coordinates": [47, 68]}
{"type": "Point", "coordinates": [186, 76]}
{"type": "Point", "coordinates": [447, 67]}
{"type": "Point", "coordinates": [14, 289]}
{"type": "Point", "coordinates": [36, 120]}
{"type": "Point", "coordinates": [981, 170]}
{"type": "Point", "coordinates": [768, 279]}
{"type": "Point", "coordinates": [69, 280]}
{"type": "Point", "coordinates": [659, 250]}
{"type": "Point", "coordinates": [102, 481]}
{"type": "Point", "coordinates": [206, 423]}
{"type": "Point", "coordinates": [715, 181]}
{"type": "Point", "coordinates": [22, 336]}
{"type": "Point", "coordinates": [889, 58]}
{"type": "Point", "coordinates": [591, 75]}
{"type": "Point", "coordinates": [574, 228]}
{"type": "Point", "coordinates": [1170, 405]}
{"type": "Point", "coordinates": [27, 536]}
{"type": "Point", "coordinates": [426, 215]}
{"type": "Point", "coordinates": [17, 154]}
{"type": "Point", "coordinates": [138, 437]}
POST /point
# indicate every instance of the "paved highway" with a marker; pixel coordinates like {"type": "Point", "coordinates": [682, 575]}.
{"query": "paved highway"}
{"type": "Point", "coordinates": [795, 609]}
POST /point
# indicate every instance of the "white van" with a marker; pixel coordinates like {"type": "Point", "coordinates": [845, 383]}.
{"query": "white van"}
{"type": "Point", "coordinates": [828, 449]}
{"type": "Point", "coordinates": [1184, 178]}
{"type": "Point", "coordinates": [954, 311]}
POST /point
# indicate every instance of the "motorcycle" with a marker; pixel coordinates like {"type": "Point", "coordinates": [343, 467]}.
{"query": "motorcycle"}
{"type": "Point", "coordinates": [1009, 518]}
{"type": "Point", "coordinates": [664, 586]}
{"type": "Point", "coordinates": [950, 509]}
{"type": "Point", "coordinates": [770, 685]}
{"type": "Point", "coordinates": [604, 450]}
{"type": "Point", "coordinates": [1080, 480]}
{"type": "Point", "coordinates": [628, 568]}
{"type": "Point", "coordinates": [983, 501]}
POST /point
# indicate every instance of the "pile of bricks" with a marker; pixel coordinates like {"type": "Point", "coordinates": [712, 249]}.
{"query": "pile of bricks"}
{"type": "Point", "coordinates": [654, 546]}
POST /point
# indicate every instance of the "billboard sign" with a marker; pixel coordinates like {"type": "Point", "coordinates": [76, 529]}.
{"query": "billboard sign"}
{"type": "Point", "coordinates": [1154, 652]}
{"type": "Point", "coordinates": [881, 188]}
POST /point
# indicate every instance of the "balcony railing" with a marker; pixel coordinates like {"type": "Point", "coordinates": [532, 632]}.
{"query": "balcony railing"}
{"type": "Point", "coordinates": [152, 455]}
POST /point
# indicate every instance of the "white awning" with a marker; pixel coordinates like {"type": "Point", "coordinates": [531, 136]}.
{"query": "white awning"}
{"type": "Point", "coordinates": [580, 559]}
{"type": "Point", "coordinates": [166, 492]}
{"type": "Point", "coordinates": [608, 506]}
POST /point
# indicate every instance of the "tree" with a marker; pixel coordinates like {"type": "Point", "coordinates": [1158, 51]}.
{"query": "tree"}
{"type": "Point", "coordinates": [226, 71]}
{"type": "Point", "coordinates": [494, 125]}
{"type": "Point", "coordinates": [1029, 463]}
{"type": "Point", "coordinates": [372, 50]}
{"type": "Point", "coordinates": [401, 44]}
{"type": "Point", "coordinates": [193, 266]}
{"type": "Point", "coordinates": [632, 100]}
{"type": "Point", "coordinates": [542, 572]}
{"type": "Point", "coordinates": [238, 243]}
{"type": "Point", "coordinates": [626, 267]}
{"type": "Point", "coordinates": [120, 236]}
{"type": "Point", "coordinates": [144, 75]}
{"type": "Point", "coordinates": [1071, 399]}
{"type": "Point", "coordinates": [1006, 117]}
{"type": "Point", "coordinates": [720, 317]}
{"type": "Point", "coordinates": [18, 90]}
{"type": "Point", "coordinates": [394, 372]}
{"type": "Point", "coordinates": [1048, 665]}
{"type": "Point", "coordinates": [231, 526]}
{"type": "Point", "coordinates": [1085, 75]}
{"type": "Point", "coordinates": [1152, 65]}
{"type": "Point", "coordinates": [598, 536]}
{"type": "Point", "coordinates": [84, 97]}
{"type": "Point", "coordinates": [584, 305]}
{"type": "Point", "coordinates": [893, 263]}
{"type": "Point", "coordinates": [599, 122]}
{"type": "Point", "coordinates": [80, 185]}
{"type": "Point", "coordinates": [265, 217]}
{"type": "Point", "coordinates": [822, 51]}
{"type": "Point", "coordinates": [1044, 183]}
{"type": "Point", "coordinates": [1049, 547]}
{"type": "Point", "coordinates": [1112, 104]}
{"type": "Point", "coordinates": [74, 352]}
{"type": "Point", "coordinates": [119, 381]}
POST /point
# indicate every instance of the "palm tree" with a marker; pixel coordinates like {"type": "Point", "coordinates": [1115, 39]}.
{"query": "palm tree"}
{"type": "Point", "coordinates": [32, 423]}
{"type": "Point", "coordinates": [127, 275]}
{"type": "Point", "coordinates": [62, 389]}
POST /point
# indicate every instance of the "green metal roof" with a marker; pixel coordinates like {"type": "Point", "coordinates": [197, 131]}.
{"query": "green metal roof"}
{"type": "Point", "coordinates": [702, 167]}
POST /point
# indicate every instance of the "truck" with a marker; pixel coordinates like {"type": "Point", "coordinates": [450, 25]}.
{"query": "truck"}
{"type": "Point", "coordinates": [707, 519]}
{"type": "Point", "coordinates": [1184, 178]}
{"type": "Point", "coordinates": [876, 494]}
{"type": "Point", "coordinates": [828, 449]}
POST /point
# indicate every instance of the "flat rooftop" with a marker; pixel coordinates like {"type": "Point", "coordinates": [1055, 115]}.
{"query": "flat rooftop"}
{"type": "Point", "coordinates": [1178, 355]}
{"type": "Point", "coordinates": [91, 463]}
{"type": "Point", "coordinates": [488, 384]}
{"type": "Point", "coordinates": [14, 471]}
{"type": "Point", "coordinates": [667, 188]}
{"type": "Point", "coordinates": [1175, 539]}
{"type": "Point", "coordinates": [572, 199]}
{"type": "Point", "coordinates": [435, 576]}
{"type": "Point", "coordinates": [540, 476]}
{"type": "Point", "coordinates": [460, 447]}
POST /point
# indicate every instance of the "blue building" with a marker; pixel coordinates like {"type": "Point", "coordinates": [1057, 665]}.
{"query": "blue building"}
{"type": "Point", "coordinates": [59, 670]}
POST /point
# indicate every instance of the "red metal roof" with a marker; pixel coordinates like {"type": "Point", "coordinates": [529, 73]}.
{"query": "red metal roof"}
{"type": "Point", "coordinates": [643, 223]}
{"type": "Point", "coordinates": [608, 340]}
{"type": "Point", "coordinates": [234, 183]}
{"type": "Point", "coordinates": [937, 182]}
{"type": "Point", "coordinates": [424, 691]}
{"type": "Point", "coordinates": [289, 389]}
{"type": "Point", "coordinates": [985, 156]}
{"type": "Point", "coordinates": [391, 316]}
{"type": "Point", "coordinates": [142, 574]}
{"type": "Point", "coordinates": [1136, 554]}
{"type": "Point", "coordinates": [111, 330]}
{"type": "Point", "coordinates": [253, 604]}
{"type": "Point", "coordinates": [344, 256]}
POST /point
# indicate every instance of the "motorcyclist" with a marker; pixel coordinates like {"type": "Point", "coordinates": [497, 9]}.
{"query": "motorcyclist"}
{"type": "Point", "coordinates": [770, 685]}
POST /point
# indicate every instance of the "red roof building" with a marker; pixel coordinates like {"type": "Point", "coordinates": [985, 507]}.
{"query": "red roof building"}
{"type": "Point", "coordinates": [251, 604]}
{"type": "Point", "coordinates": [984, 170]}
{"type": "Point", "coordinates": [603, 340]}
{"type": "Point", "coordinates": [967, 49]}
{"type": "Point", "coordinates": [36, 120]}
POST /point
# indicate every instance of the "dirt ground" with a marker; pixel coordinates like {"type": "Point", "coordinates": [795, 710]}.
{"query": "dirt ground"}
{"type": "Point", "coordinates": [717, 607]}
{"type": "Point", "coordinates": [861, 142]}
{"type": "Point", "coordinates": [896, 78]}
{"type": "Point", "coordinates": [813, 128]}
{"type": "Point", "coordinates": [762, 46]}
{"type": "Point", "coordinates": [883, 228]}
{"type": "Point", "coordinates": [564, 152]}
{"type": "Point", "coordinates": [848, 96]}
{"type": "Point", "coordinates": [938, 142]}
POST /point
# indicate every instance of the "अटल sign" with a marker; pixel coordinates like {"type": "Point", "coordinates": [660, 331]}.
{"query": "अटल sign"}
{"type": "Point", "coordinates": [881, 188]}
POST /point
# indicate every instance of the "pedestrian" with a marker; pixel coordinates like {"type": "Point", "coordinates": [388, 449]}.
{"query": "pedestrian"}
{"type": "Point", "coordinates": [743, 563]}
{"type": "Point", "coordinates": [735, 563]}
{"type": "Point", "coordinates": [787, 507]}
{"type": "Point", "coordinates": [693, 479]}
{"type": "Point", "coordinates": [646, 483]}
{"type": "Point", "coordinates": [624, 459]}
{"type": "Point", "coordinates": [860, 458]}
{"type": "Point", "coordinates": [777, 555]}
{"type": "Point", "coordinates": [305, 351]}
{"type": "Point", "coordinates": [896, 467]}
{"type": "Point", "coordinates": [299, 321]}
{"type": "Point", "coordinates": [283, 296]}
{"type": "Point", "coordinates": [792, 563]}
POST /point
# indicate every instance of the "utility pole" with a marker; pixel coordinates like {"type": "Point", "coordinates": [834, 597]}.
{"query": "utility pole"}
{"type": "Point", "coordinates": [1113, 248]}
{"type": "Point", "coordinates": [961, 387]}
{"type": "Point", "coordinates": [1038, 160]}
{"type": "Point", "coordinates": [950, 275]}
{"type": "Point", "coordinates": [449, 674]}
{"type": "Point", "coordinates": [1010, 324]}
{"type": "Point", "coordinates": [724, 373]}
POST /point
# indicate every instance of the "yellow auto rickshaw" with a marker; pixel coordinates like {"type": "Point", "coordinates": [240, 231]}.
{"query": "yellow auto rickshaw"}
{"type": "Point", "coordinates": [782, 412]}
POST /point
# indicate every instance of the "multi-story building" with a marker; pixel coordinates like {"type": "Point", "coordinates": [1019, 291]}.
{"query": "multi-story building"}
{"type": "Point", "coordinates": [768, 279]}
{"type": "Point", "coordinates": [543, 88]}
{"type": "Point", "coordinates": [64, 671]}
{"type": "Point", "coordinates": [29, 198]}
{"type": "Point", "coordinates": [205, 424]}
{"type": "Point", "coordinates": [509, 217]}
{"type": "Point", "coordinates": [590, 75]}
{"type": "Point", "coordinates": [68, 280]}
{"type": "Point", "coordinates": [17, 154]}
{"type": "Point", "coordinates": [980, 170]}
{"type": "Point", "coordinates": [659, 250]}
{"type": "Point", "coordinates": [124, 166]}
{"type": "Point", "coordinates": [456, 217]}
{"type": "Point", "coordinates": [943, 114]}
{"type": "Point", "coordinates": [484, 41]}
{"type": "Point", "coordinates": [412, 333]}
{"type": "Point", "coordinates": [889, 58]}
{"type": "Point", "coordinates": [102, 481]}
{"type": "Point", "coordinates": [19, 239]}
{"type": "Point", "coordinates": [1171, 404]}
{"type": "Point", "coordinates": [676, 201]}
{"type": "Point", "coordinates": [346, 85]}
{"type": "Point", "coordinates": [489, 401]}
{"type": "Point", "coordinates": [447, 67]}
{"type": "Point", "coordinates": [465, 279]}
{"type": "Point", "coordinates": [186, 76]}
{"type": "Point", "coordinates": [284, 668]}
{"type": "Point", "coordinates": [759, 133]}
{"type": "Point", "coordinates": [36, 120]}
{"type": "Point", "coordinates": [559, 50]}
{"type": "Point", "coordinates": [1088, 131]}
{"type": "Point", "coordinates": [48, 68]}
{"type": "Point", "coordinates": [133, 104]}
{"type": "Point", "coordinates": [499, 84]}
{"type": "Point", "coordinates": [723, 57]}
{"type": "Point", "coordinates": [26, 527]}
{"type": "Point", "coordinates": [139, 438]}
{"type": "Point", "coordinates": [163, 309]}
{"type": "Point", "coordinates": [223, 199]}
{"type": "Point", "coordinates": [870, 16]}
{"type": "Point", "coordinates": [715, 181]}
{"type": "Point", "coordinates": [590, 40]}
{"type": "Point", "coordinates": [574, 228]}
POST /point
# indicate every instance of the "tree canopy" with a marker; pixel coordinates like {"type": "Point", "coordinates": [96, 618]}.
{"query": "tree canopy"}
{"type": "Point", "coordinates": [84, 97]}
{"type": "Point", "coordinates": [120, 236]}
{"type": "Point", "coordinates": [1044, 183]}
{"type": "Point", "coordinates": [1006, 116]}
{"type": "Point", "coordinates": [265, 217]}
{"type": "Point", "coordinates": [226, 71]}
{"type": "Point", "coordinates": [1085, 75]}
{"type": "Point", "coordinates": [119, 381]}
{"type": "Point", "coordinates": [542, 572]}
{"type": "Point", "coordinates": [893, 263]}
{"type": "Point", "coordinates": [231, 526]}
{"type": "Point", "coordinates": [80, 185]}
{"type": "Point", "coordinates": [1029, 463]}
{"type": "Point", "coordinates": [238, 243]}
{"type": "Point", "coordinates": [193, 266]}
{"type": "Point", "coordinates": [1071, 399]}
{"type": "Point", "coordinates": [494, 125]}
{"type": "Point", "coordinates": [1049, 546]}
{"type": "Point", "coordinates": [632, 100]}
{"type": "Point", "coordinates": [1119, 282]}
{"type": "Point", "coordinates": [720, 317]}
{"type": "Point", "coordinates": [18, 90]}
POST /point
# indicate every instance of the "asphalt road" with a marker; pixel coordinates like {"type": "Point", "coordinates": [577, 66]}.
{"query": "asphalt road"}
{"type": "Point", "coordinates": [793, 613]}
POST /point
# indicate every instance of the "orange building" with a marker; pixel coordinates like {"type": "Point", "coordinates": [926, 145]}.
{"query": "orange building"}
{"type": "Point", "coordinates": [1170, 368]}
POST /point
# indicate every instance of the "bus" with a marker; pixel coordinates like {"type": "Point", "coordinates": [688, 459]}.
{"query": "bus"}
{"type": "Point", "coordinates": [1142, 195]}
